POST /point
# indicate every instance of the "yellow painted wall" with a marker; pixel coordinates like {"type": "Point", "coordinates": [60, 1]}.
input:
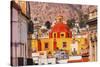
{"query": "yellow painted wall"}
{"type": "Point", "coordinates": [49, 41]}
{"type": "Point", "coordinates": [69, 42]}
{"type": "Point", "coordinates": [59, 44]}
{"type": "Point", "coordinates": [43, 41]}
{"type": "Point", "coordinates": [34, 44]}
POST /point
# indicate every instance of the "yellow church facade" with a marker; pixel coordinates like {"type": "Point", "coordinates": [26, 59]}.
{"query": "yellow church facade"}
{"type": "Point", "coordinates": [60, 37]}
{"type": "Point", "coordinates": [47, 44]}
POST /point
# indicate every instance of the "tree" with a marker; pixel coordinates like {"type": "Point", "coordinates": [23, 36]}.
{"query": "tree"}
{"type": "Point", "coordinates": [71, 23]}
{"type": "Point", "coordinates": [48, 24]}
{"type": "Point", "coordinates": [83, 21]}
{"type": "Point", "coordinates": [82, 18]}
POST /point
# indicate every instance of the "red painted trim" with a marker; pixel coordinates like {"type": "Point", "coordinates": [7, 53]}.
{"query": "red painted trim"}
{"type": "Point", "coordinates": [71, 61]}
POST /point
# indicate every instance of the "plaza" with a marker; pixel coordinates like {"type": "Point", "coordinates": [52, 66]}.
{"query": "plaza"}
{"type": "Point", "coordinates": [51, 33]}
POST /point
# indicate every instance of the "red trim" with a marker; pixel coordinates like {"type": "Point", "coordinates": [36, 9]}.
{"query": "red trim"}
{"type": "Point", "coordinates": [71, 61]}
{"type": "Point", "coordinates": [85, 59]}
{"type": "Point", "coordinates": [55, 44]}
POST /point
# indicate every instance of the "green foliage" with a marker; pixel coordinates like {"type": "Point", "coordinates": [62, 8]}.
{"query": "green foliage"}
{"type": "Point", "coordinates": [48, 25]}
{"type": "Point", "coordinates": [82, 23]}
{"type": "Point", "coordinates": [71, 23]}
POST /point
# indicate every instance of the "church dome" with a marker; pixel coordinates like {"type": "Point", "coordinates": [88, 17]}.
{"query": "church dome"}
{"type": "Point", "coordinates": [59, 28]}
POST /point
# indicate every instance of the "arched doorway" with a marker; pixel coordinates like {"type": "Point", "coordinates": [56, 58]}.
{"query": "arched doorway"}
{"type": "Point", "coordinates": [39, 45]}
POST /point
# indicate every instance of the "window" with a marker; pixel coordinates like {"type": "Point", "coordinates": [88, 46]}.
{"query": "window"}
{"type": "Point", "coordinates": [64, 44]}
{"type": "Point", "coordinates": [46, 45]}
{"type": "Point", "coordinates": [62, 34]}
{"type": "Point", "coordinates": [54, 35]}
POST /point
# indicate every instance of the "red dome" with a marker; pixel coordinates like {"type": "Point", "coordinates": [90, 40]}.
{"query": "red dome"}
{"type": "Point", "coordinates": [60, 27]}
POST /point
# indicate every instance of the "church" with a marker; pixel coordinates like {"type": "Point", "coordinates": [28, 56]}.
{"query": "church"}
{"type": "Point", "coordinates": [60, 36]}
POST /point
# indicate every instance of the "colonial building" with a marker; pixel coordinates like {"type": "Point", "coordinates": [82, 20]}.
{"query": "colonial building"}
{"type": "Point", "coordinates": [19, 33]}
{"type": "Point", "coordinates": [92, 20]}
{"type": "Point", "coordinates": [60, 37]}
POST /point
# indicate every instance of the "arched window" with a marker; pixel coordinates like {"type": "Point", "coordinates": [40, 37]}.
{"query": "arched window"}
{"type": "Point", "coordinates": [62, 34]}
{"type": "Point", "coordinates": [55, 35]}
{"type": "Point", "coordinates": [46, 45]}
